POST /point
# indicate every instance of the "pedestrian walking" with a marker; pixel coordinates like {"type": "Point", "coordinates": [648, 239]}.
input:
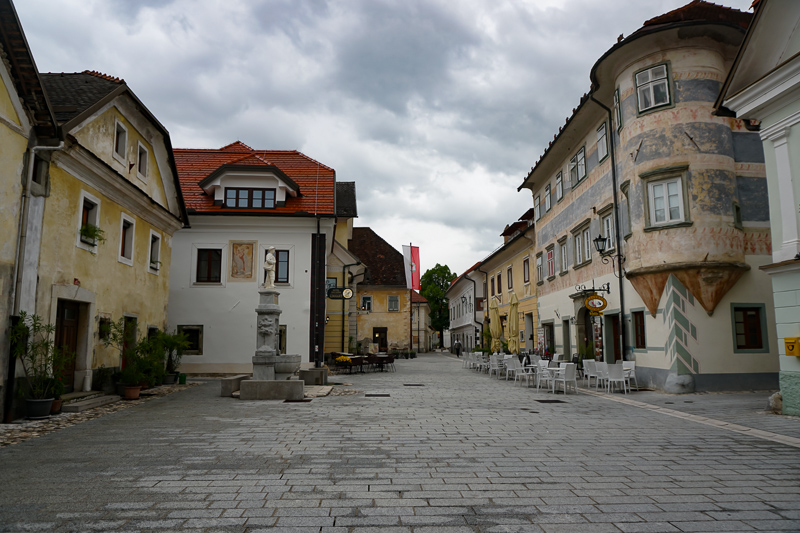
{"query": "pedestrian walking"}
{"type": "Point", "coordinates": [457, 347]}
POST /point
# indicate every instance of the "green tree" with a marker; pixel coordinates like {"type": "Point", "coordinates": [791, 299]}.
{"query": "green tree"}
{"type": "Point", "coordinates": [434, 283]}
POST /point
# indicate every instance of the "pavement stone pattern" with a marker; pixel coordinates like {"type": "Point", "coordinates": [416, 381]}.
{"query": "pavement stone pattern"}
{"type": "Point", "coordinates": [448, 450]}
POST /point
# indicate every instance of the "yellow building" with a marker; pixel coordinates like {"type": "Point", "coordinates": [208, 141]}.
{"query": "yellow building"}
{"type": "Point", "coordinates": [98, 245]}
{"type": "Point", "coordinates": [384, 302]}
{"type": "Point", "coordinates": [28, 132]}
{"type": "Point", "coordinates": [507, 271]}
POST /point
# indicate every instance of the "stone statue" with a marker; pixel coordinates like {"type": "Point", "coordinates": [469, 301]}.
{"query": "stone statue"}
{"type": "Point", "coordinates": [266, 332]}
{"type": "Point", "coordinates": [269, 269]}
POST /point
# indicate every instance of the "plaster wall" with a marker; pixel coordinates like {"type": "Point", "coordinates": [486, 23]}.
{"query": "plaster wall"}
{"type": "Point", "coordinates": [226, 310]}
{"type": "Point", "coordinates": [117, 289]}
{"type": "Point", "coordinates": [398, 323]}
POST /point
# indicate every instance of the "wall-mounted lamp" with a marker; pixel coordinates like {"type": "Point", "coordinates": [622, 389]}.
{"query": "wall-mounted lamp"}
{"type": "Point", "coordinates": [572, 320]}
{"type": "Point", "coordinates": [327, 319]}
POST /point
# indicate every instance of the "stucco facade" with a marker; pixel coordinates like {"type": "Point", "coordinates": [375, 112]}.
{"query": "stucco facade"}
{"type": "Point", "coordinates": [684, 205]}
{"type": "Point", "coordinates": [764, 86]}
{"type": "Point", "coordinates": [466, 304]}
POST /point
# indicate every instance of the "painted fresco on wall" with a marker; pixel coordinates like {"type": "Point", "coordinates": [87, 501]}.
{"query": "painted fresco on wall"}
{"type": "Point", "coordinates": [241, 260]}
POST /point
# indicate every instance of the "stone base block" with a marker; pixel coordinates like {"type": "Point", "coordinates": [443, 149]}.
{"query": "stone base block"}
{"type": "Point", "coordinates": [314, 376]}
{"type": "Point", "coordinates": [683, 384]}
{"type": "Point", "coordinates": [291, 389]}
{"type": "Point", "coordinates": [230, 385]}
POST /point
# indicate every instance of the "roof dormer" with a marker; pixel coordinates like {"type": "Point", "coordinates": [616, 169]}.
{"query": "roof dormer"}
{"type": "Point", "coordinates": [250, 183]}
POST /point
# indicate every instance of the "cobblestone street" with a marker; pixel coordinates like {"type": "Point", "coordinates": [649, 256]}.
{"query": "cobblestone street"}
{"type": "Point", "coordinates": [431, 447]}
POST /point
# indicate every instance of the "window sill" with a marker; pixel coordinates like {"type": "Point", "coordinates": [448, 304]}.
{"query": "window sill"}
{"type": "Point", "coordinates": [684, 224]}
{"type": "Point", "coordinates": [207, 284]}
{"type": "Point", "coordinates": [540, 283]}
{"type": "Point", "coordinates": [564, 273]}
{"type": "Point", "coordinates": [551, 278]}
{"type": "Point", "coordinates": [581, 265]}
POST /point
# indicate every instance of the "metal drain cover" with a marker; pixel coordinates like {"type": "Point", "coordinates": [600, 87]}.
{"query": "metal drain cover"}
{"type": "Point", "coordinates": [413, 385]}
{"type": "Point", "coordinates": [550, 401]}
{"type": "Point", "coordinates": [304, 400]}
{"type": "Point", "coordinates": [376, 396]}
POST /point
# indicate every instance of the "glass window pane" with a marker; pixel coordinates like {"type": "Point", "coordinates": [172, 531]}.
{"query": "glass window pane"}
{"type": "Point", "coordinates": [659, 72]}
{"type": "Point", "coordinates": [645, 100]}
{"type": "Point", "coordinates": [642, 77]}
{"type": "Point", "coordinates": [660, 93]}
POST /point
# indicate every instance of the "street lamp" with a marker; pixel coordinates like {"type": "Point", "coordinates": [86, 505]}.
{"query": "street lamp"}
{"type": "Point", "coordinates": [616, 261]}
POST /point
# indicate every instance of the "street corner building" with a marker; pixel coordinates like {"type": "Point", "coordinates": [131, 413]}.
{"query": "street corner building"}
{"type": "Point", "coordinates": [645, 181]}
{"type": "Point", "coordinates": [90, 204]}
{"type": "Point", "coordinates": [241, 202]}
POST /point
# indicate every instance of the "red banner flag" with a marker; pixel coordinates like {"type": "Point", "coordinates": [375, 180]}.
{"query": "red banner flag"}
{"type": "Point", "coordinates": [411, 259]}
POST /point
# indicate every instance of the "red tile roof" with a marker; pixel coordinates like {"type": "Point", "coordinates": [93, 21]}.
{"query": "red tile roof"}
{"type": "Point", "coordinates": [317, 182]}
{"type": "Point", "coordinates": [417, 298]}
{"type": "Point", "coordinates": [705, 11]}
{"type": "Point", "coordinates": [467, 271]}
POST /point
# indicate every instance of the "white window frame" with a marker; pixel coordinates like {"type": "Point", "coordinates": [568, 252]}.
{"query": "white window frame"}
{"type": "Point", "coordinates": [551, 262]}
{"type": "Point", "coordinates": [121, 157]}
{"type": "Point", "coordinates": [393, 300]}
{"type": "Point", "coordinates": [617, 110]}
{"type": "Point", "coordinates": [547, 202]}
{"type": "Point", "coordinates": [559, 186]}
{"type": "Point", "coordinates": [130, 246]}
{"type": "Point", "coordinates": [608, 231]}
{"type": "Point", "coordinates": [154, 258]}
{"type": "Point", "coordinates": [539, 269]}
{"type": "Point", "coordinates": [577, 166]}
{"type": "Point", "coordinates": [587, 244]}
{"type": "Point", "coordinates": [195, 327]}
{"type": "Point", "coordinates": [645, 82]}
{"type": "Point", "coordinates": [651, 200]}
{"type": "Point", "coordinates": [526, 270]}
{"type": "Point", "coordinates": [578, 248]}
{"type": "Point", "coordinates": [510, 278]}
{"type": "Point", "coordinates": [537, 208]}
{"type": "Point", "coordinates": [564, 257]}
{"type": "Point", "coordinates": [223, 248]}
{"type": "Point", "coordinates": [95, 220]}
{"type": "Point", "coordinates": [602, 142]}
{"type": "Point", "coordinates": [366, 303]}
{"type": "Point", "coordinates": [142, 149]}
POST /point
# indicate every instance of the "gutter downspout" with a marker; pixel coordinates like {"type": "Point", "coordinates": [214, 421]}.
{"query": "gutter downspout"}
{"type": "Point", "coordinates": [485, 282]}
{"type": "Point", "coordinates": [23, 221]}
{"type": "Point", "coordinates": [616, 228]}
{"type": "Point", "coordinates": [346, 323]}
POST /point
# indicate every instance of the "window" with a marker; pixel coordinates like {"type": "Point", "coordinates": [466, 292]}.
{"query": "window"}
{"type": "Point", "coordinates": [103, 328]}
{"type": "Point", "coordinates": [608, 231]}
{"type": "Point", "coordinates": [155, 252]}
{"type": "Point", "coordinates": [559, 186]}
{"type": "Point", "coordinates": [209, 265]}
{"type": "Point", "coordinates": [127, 231]}
{"type": "Point", "coordinates": [120, 141]}
{"type": "Point", "coordinates": [737, 215]}
{"type": "Point", "coordinates": [564, 257]}
{"type": "Point", "coordinates": [551, 262]}
{"type": "Point", "coordinates": [330, 283]}
{"type": "Point", "coordinates": [583, 246]}
{"type": "Point", "coordinates": [366, 303]}
{"type": "Point", "coordinates": [281, 265]}
{"type": "Point", "coordinates": [638, 330]}
{"type": "Point", "coordinates": [602, 144]}
{"type": "Point", "coordinates": [499, 284]}
{"type": "Point", "coordinates": [666, 201]}
{"type": "Point", "coordinates": [587, 245]}
{"type": "Point", "coordinates": [578, 249]}
{"type": "Point", "coordinates": [141, 162]}
{"type": "Point", "coordinates": [536, 209]}
{"type": "Point", "coordinates": [526, 271]}
{"type": "Point", "coordinates": [89, 232]}
{"type": "Point", "coordinates": [249, 198]}
{"type": "Point", "coordinates": [510, 278]}
{"type": "Point", "coordinates": [539, 271]}
{"type": "Point", "coordinates": [492, 280]}
{"type": "Point", "coordinates": [394, 304]}
{"type": "Point", "coordinates": [617, 110]}
{"type": "Point", "coordinates": [194, 336]}
{"type": "Point", "coordinates": [577, 166]}
{"type": "Point", "coordinates": [748, 328]}
{"type": "Point", "coordinates": [547, 198]}
{"type": "Point", "coordinates": [652, 89]}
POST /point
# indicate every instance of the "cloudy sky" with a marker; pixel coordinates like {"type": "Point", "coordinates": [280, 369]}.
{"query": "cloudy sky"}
{"type": "Point", "coordinates": [437, 109]}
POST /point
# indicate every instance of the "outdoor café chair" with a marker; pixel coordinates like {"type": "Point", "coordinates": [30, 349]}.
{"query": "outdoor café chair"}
{"type": "Point", "coordinates": [616, 374]}
{"type": "Point", "coordinates": [566, 374]}
{"type": "Point", "coordinates": [602, 374]}
{"type": "Point", "coordinates": [589, 371]}
{"type": "Point", "coordinates": [630, 373]}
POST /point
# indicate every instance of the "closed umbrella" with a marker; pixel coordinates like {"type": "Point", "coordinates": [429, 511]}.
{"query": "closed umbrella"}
{"type": "Point", "coordinates": [513, 325]}
{"type": "Point", "coordinates": [495, 328]}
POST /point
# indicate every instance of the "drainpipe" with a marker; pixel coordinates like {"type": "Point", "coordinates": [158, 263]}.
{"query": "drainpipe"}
{"type": "Point", "coordinates": [616, 228]}
{"type": "Point", "coordinates": [23, 221]}
{"type": "Point", "coordinates": [485, 282]}
{"type": "Point", "coordinates": [346, 271]}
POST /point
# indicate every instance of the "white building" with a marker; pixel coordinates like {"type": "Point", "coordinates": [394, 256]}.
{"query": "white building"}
{"type": "Point", "coordinates": [465, 297]}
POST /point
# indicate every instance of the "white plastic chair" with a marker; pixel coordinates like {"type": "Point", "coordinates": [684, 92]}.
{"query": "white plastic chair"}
{"type": "Point", "coordinates": [566, 374]}
{"type": "Point", "coordinates": [542, 374]}
{"type": "Point", "coordinates": [589, 371]}
{"type": "Point", "coordinates": [601, 374]}
{"type": "Point", "coordinates": [494, 366]}
{"type": "Point", "coordinates": [630, 373]}
{"type": "Point", "coordinates": [512, 366]}
{"type": "Point", "coordinates": [616, 374]}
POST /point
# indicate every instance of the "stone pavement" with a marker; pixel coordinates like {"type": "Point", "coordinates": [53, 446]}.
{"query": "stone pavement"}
{"type": "Point", "coordinates": [448, 450]}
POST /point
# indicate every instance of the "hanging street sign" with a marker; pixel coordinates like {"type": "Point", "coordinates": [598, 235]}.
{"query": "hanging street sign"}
{"type": "Point", "coordinates": [595, 304]}
{"type": "Point", "coordinates": [338, 293]}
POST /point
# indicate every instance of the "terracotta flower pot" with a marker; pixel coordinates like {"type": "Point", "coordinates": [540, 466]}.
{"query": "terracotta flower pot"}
{"type": "Point", "coordinates": [55, 407]}
{"type": "Point", "coordinates": [132, 393]}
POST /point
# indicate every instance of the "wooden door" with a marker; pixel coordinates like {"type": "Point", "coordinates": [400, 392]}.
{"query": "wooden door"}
{"type": "Point", "coordinates": [67, 339]}
{"type": "Point", "coordinates": [379, 337]}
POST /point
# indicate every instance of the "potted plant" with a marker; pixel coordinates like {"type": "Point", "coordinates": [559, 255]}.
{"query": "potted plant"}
{"type": "Point", "coordinates": [33, 345]}
{"type": "Point", "coordinates": [131, 374]}
{"type": "Point", "coordinates": [173, 344]}
{"type": "Point", "coordinates": [91, 234]}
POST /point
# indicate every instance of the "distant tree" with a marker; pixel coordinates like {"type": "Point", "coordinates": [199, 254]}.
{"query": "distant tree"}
{"type": "Point", "coordinates": [434, 283]}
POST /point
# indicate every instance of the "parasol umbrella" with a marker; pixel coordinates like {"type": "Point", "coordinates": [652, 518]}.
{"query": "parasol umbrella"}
{"type": "Point", "coordinates": [513, 325]}
{"type": "Point", "coordinates": [495, 328]}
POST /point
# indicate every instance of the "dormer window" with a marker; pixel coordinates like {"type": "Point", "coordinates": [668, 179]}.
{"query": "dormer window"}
{"type": "Point", "coordinates": [249, 198]}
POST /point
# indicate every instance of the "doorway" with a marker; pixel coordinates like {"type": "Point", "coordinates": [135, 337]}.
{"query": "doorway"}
{"type": "Point", "coordinates": [131, 324]}
{"type": "Point", "coordinates": [565, 338]}
{"type": "Point", "coordinates": [379, 337]}
{"type": "Point", "coordinates": [549, 337]}
{"type": "Point", "coordinates": [66, 339]}
{"type": "Point", "coordinates": [612, 333]}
